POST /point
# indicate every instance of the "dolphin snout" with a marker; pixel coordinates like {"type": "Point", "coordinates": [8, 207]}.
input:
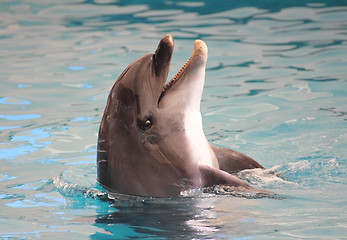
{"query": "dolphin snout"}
{"type": "Point", "coordinates": [200, 48]}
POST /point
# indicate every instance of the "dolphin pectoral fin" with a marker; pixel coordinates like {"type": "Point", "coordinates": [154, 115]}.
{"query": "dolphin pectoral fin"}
{"type": "Point", "coordinates": [213, 176]}
{"type": "Point", "coordinates": [232, 161]}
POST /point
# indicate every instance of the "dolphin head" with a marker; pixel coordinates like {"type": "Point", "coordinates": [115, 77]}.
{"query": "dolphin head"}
{"type": "Point", "coordinates": [150, 138]}
{"type": "Point", "coordinates": [141, 85]}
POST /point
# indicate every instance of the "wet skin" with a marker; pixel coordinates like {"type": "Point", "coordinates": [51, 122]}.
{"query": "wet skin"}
{"type": "Point", "coordinates": [151, 141]}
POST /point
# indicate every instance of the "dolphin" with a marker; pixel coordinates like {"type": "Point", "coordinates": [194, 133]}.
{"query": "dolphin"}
{"type": "Point", "coordinates": [151, 140]}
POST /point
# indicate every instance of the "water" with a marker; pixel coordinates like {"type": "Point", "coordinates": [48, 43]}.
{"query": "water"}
{"type": "Point", "coordinates": [275, 90]}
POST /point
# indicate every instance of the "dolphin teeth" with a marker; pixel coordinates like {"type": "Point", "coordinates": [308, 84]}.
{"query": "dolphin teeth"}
{"type": "Point", "coordinates": [177, 76]}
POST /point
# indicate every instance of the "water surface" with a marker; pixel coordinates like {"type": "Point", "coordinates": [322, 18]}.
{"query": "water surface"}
{"type": "Point", "coordinates": [275, 89]}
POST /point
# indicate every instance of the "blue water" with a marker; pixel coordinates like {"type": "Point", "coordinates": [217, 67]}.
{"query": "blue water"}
{"type": "Point", "coordinates": [276, 89]}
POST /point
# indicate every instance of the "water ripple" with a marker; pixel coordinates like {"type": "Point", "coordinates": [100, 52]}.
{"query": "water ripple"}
{"type": "Point", "coordinates": [13, 101]}
{"type": "Point", "coordinates": [19, 117]}
{"type": "Point", "coordinates": [275, 89]}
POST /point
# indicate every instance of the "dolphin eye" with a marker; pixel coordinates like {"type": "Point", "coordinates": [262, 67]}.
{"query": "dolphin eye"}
{"type": "Point", "coordinates": [146, 124]}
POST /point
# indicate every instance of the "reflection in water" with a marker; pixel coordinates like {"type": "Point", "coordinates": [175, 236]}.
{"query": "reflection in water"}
{"type": "Point", "coordinates": [153, 219]}
{"type": "Point", "coordinates": [197, 213]}
{"type": "Point", "coordinates": [186, 218]}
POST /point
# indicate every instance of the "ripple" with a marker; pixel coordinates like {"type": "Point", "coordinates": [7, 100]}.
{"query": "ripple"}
{"type": "Point", "coordinates": [77, 68]}
{"type": "Point", "coordinates": [253, 92]}
{"type": "Point", "coordinates": [8, 127]}
{"type": "Point", "coordinates": [243, 111]}
{"type": "Point", "coordinates": [4, 177]}
{"type": "Point", "coordinates": [191, 4]}
{"type": "Point", "coordinates": [31, 185]}
{"type": "Point", "coordinates": [5, 196]}
{"type": "Point", "coordinates": [303, 93]}
{"type": "Point", "coordinates": [90, 40]}
{"type": "Point", "coordinates": [37, 201]}
{"type": "Point", "coordinates": [20, 117]}
{"type": "Point", "coordinates": [26, 142]}
{"type": "Point", "coordinates": [275, 90]}
{"type": "Point", "coordinates": [14, 101]}
{"type": "Point", "coordinates": [85, 85]}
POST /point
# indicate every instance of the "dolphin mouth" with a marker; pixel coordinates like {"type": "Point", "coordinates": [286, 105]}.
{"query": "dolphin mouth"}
{"type": "Point", "coordinates": [177, 76]}
{"type": "Point", "coordinates": [200, 49]}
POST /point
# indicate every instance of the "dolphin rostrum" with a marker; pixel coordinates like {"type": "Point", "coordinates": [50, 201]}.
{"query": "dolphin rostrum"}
{"type": "Point", "coordinates": [151, 140]}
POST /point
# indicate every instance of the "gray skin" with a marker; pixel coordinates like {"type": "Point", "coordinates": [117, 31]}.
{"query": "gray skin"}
{"type": "Point", "coordinates": [151, 141]}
